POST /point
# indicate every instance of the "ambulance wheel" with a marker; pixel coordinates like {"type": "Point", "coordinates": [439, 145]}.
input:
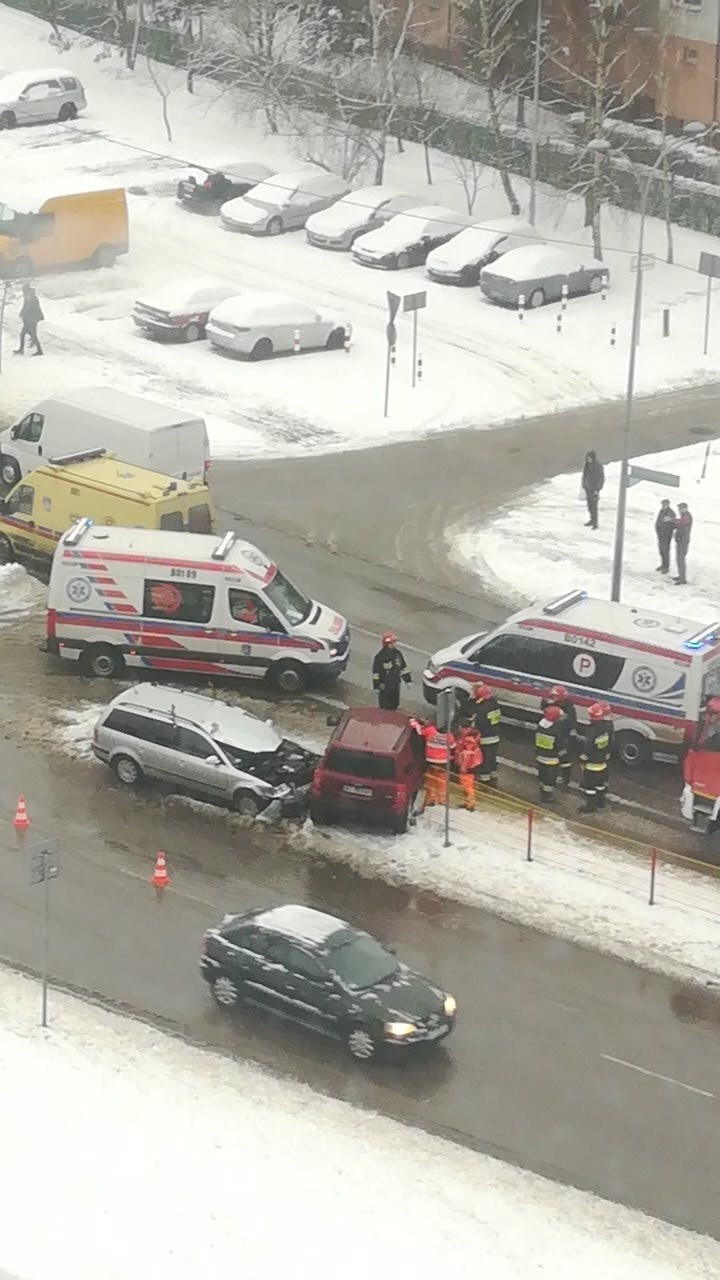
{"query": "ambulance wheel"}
{"type": "Point", "coordinates": [288, 677]}
{"type": "Point", "coordinates": [7, 555]}
{"type": "Point", "coordinates": [102, 661]}
{"type": "Point", "coordinates": [10, 472]}
{"type": "Point", "coordinates": [631, 748]}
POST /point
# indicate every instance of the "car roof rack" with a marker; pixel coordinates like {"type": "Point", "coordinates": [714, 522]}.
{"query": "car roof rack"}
{"type": "Point", "coordinates": [564, 602]}
{"type": "Point", "coordinates": [707, 636]}
{"type": "Point", "coordinates": [224, 546]}
{"type": "Point", "coordinates": [84, 455]}
{"type": "Point", "coordinates": [78, 531]}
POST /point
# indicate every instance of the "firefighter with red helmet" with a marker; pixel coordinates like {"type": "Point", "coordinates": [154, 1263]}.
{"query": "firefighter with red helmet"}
{"type": "Point", "coordinates": [438, 746]}
{"type": "Point", "coordinates": [559, 697]}
{"type": "Point", "coordinates": [388, 669]}
{"type": "Point", "coordinates": [487, 723]}
{"type": "Point", "coordinates": [595, 757]}
{"type": "Point", "coordinates": [548, 739]}
{"type": "Point", "coordinates": [468, 759]}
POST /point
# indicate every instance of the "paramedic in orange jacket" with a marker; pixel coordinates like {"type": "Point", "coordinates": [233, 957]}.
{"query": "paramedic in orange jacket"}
{"type": "Point", "coordinates": [438, 746]}
{"type": "Point", "coordinates": [468, 758]}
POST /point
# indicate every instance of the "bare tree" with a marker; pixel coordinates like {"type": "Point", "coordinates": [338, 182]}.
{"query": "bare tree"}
{"type": "Point", "coordinates": [469, 173]}
{"type": "Point", "coordinates": [161, 77]}
{"type": "Point", "coordinates": [491, 35]}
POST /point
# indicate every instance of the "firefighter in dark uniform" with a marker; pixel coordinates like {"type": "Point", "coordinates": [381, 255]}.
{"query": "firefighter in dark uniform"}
{"type": "Point", "coordinates": [548, 739]}
{"type": "Point", "coordinates": [388, 669]}
{"type": "Point", "coordinates": [559, 697]}
{"type": "Point", "coordinates": [595, 757]}
{"type": "Point", "coordinates": [487, 724]}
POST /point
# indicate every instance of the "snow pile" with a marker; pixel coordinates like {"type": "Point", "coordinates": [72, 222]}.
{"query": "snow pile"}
{"type": "Point", "coordinates": [167, 1161]}
{"type": "Point", "coordinates": [20, 594]}
{"type": "Point", "coordinates": [521, 554]}
{"type": "Point", "coordinates": [72, 730]}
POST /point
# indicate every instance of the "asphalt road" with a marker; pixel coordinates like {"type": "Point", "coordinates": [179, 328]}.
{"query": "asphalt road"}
{"type": "Point", "coordinates": [564, 1061]}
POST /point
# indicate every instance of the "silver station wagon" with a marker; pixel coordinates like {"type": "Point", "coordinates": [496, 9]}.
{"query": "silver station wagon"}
{"type": "Point", "coordinates": [34, 97]}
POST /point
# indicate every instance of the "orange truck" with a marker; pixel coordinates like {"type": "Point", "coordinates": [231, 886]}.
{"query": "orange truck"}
{"type": "Point", "coordinates": [44, 231]}
{"type": "Point", "coordinates": [701, 772]}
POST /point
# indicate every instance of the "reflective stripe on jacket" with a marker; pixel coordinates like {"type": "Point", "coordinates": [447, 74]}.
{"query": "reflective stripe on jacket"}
{"type": "Point", "coordinates": [546, 748]}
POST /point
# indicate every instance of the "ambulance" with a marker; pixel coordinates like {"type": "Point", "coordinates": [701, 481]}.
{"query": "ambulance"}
{"type": "Point", "coordinates": [193, 603]}
{"type": "Point", "coordinates": [656, 671]}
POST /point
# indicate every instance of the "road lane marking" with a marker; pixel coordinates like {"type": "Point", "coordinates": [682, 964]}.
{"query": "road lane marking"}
{"type": "Point", "coordinates": [691, 1088]}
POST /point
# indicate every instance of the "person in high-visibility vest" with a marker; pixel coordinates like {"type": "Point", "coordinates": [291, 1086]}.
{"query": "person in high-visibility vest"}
{"type": "Point", "coordinates": [487, 723]}
{"type": "Point", "coordinates": [438, 746]}
{"type": "Point", "coordinates": [595, 757]}
{"type": "Point", "coordinates": [548, 736]}
{"type": "Point", "coordinates": [468, 759]}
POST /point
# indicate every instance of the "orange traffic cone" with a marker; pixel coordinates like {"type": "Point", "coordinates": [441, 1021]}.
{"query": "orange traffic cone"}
{"type": "Point", "coordinates": [21, 822]}
{"type": "Point", "coordinates": [160, 877]}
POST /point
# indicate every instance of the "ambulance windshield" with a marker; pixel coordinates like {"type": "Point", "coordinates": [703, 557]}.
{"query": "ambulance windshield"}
{"type": "Point", "coordinates": [288, 601]}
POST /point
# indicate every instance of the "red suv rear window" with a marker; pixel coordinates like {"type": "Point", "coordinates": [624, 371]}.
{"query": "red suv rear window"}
{"type": "Point", "coordinates": [361, 764]}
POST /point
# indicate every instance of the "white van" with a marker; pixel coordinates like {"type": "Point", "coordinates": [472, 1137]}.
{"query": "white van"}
{"type": "Point", "coordinates": [654, 670]}
{"type": "Point", "coordinates": [167, 601]}
{"type": "Point", "coordinates": [142, 432]}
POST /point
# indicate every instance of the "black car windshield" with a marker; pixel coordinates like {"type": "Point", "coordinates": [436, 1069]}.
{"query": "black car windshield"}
{"type": "Point", "coordinates": [289, 602]}
{"type": "Point", "coordinates": [361, 962]}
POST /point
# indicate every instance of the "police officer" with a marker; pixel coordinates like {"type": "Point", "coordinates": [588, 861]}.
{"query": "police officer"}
{"type": "Point", "coordinates": [487, 724]}
{"type": "Point", "coordinates": [388, 669]}
{"type": "Point", "coordinates": [548, 737]}
{"type": "Point", "coordinates": [559, 697]}
{"type": "Point", "coordinates": [595, 757]}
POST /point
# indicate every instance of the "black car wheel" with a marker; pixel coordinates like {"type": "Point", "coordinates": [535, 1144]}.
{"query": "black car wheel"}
{"type": "Point", "coordinates": [8, 120]}
{"type": "Point", "coordinates": [127, 771]}
{"type": "Point", "coordinates": [7, 555]}
{"type": "Point", "coordinates": [262, 350]}
{"type": "Point", "coordinates": [336, 340]}
{"type": "Point", "coordinates": [247, 804]}
{"type": "Point", "coordinates": [288, 677]}
{"type": "Point", "coordinates": [68, 111]}
{"type": "Point", "coordinates": [102, 661]}
{"type": "Point", "coordinates": [361, 1043]}
{"type": "Point", "coordinates": [403, 260]}
{"type": "Point", "coordinates": [193, 333]}
{"type": "Point", "coordinates": [537, 298]}
{"type": "Point", "coordinates": [631, 747]}
{"type": "Point", "coordinates": [275, 226]}
{"type": "Point", "coordinates": [10, 471]}
{"type": "Point", "coordinates": [104, 256]}
{"type": "Point", "coordinates": [401, 821]}
{"type": "Point", "coordinates": [226, 991]}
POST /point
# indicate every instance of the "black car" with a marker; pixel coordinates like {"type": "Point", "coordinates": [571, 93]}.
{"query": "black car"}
{"type": "Point", "coordinates": [322, 972]}
{"type": "Point", "coordinates": [206, 193]}
{"type": "Point", "coordinates": [408, 238]}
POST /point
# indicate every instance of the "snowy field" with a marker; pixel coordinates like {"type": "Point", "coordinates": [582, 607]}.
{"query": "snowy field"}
{"type": "Point", "coordinates": [480, 364]}
{"type": "Point", "coordinates": [160, 1160]}
{"type": "Point", "coordinates": [520, 547]}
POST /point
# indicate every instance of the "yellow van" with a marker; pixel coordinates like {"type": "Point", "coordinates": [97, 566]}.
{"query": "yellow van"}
{"type": "Point", "coordinates": [97, 487]}
{"type": "Point", "coordinates": [41, 232]}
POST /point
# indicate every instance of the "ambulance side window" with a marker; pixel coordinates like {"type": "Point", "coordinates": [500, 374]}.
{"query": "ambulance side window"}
{"type": "Point", "coordinates": [180, 601]}
{"type": "Point", "coordinates": [249, 609]}
{"type": "Point", "coordinates": [172, 520]}
{"type": "Point", "coordinates": [20, 502]}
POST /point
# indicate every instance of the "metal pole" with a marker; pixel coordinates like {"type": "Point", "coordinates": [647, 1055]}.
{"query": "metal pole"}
{"type": "Point", "coordinates": [415, 336]}
{"type": "Point", "coordinates": [387, 380]}
{"type": "Point", "coordinates": [536, 115]}
{"type": "Point", "coordinates": [707, 316]}
{"type": "Point", "coordinates": [46, 932]}
{"type": "Point", "coordinates": [447, 793]}
{"type": "Point", "coordinates": [3, 301]}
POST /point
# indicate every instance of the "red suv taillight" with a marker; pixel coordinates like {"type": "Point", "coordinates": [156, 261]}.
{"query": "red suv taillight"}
{"type": "Point", "coordinates": [50, 621]}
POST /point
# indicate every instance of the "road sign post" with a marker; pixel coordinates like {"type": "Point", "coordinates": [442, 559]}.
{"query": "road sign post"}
{"type": "Point", "coordinates": [393, 300]}
{"type": "Point", "coordinates": [43, 869]}
{"type": "Point", "coordinates": [709, 266]}
{"type": "Point", "coordinates": [415, 302]}
{"type": "Point", "coordinates": [444, 716]}
{"type": "Point", "coordinates": [636, 474]}
{"type": "Point", "coordinates": [3, 304]}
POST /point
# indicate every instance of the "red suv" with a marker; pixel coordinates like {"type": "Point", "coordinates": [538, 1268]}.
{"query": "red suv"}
{"type": "Point", "coordinates": [372, 769]}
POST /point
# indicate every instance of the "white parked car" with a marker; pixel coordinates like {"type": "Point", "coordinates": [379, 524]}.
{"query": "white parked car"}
{"type": "Point", "coordinates": [30, 97]}
{"type": "Point", "coordinates": [538, 272]}
{"type": "Point", "coordinates": [284, 202]}
{"type": "Point", "coordinates": [339, 226]}
{"type": "Point", "coordinates": [461, 260]}
{"type": "Point", "coordinates": [407, 239]}
{"type": "Point", "coordinates": [181, 310]}
{"type": "Point", "coordinates": [259, 325]}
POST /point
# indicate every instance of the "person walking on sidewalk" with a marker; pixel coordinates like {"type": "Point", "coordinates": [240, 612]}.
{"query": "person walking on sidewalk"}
{"type": "Point", "coordinates": [487, 724]}
{"type": "Point", "coordinates": [683, 529]}
{"type": "Point", "coordinates": [595, 757]}
{"type": "Point", "coordinates": [31, 314]}
{"type": "Point", "coordinates": [593, 479]}
{"type": "Point", "coordinates": [664, 530]}
{"type": "Point", "coordinates": [388, 669]}
{"type": "Point", "coordinates": [547, 752]}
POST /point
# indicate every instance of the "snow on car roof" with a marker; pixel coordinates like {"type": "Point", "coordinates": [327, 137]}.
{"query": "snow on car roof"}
{"type": "Point", "coordinates": [15, 82]}
{"type": "Point", "coordinates": [246, 169]}
{"type": "Point", "coordinates": [229, 724]}
{"type": "Point", "coordinates": [534, 259]}
{"type": "Point", "coordinates": [170, 546]}
{"type": "Point", "coordinates": [29, 197]}
{"type": "Point", "coordinates": [264, 308]}
{"type": "Point", "coordinates": [183, 291]}
{"type": "Point", "coordinates": [304, 924]}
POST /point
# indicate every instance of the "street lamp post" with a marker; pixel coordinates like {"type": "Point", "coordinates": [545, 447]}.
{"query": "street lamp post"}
{"type": "Point", "coordinates": [532, 209]}
{"type": "Point", "coordinates": [690, 130]}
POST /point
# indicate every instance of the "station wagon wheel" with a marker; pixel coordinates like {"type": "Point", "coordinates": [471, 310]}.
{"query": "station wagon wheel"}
{"type": "Point", "coordinates": [7, 555]}
{"type": "Point", "coordinates": [104, 256]}
{"type": "Point", "coordinates": [361, 1043]}
{"type": "Point", "coordinates": [537, 298]}
{"type": "Point", "coordinates": [262, 350]}
{"type": "Point", "coordinates": [8, 120]}
{"type": "Point", "coordinates": [193, 333]}
{"type": "Point", "coordinates": [275, 226]}
{"type": "Point", "coordinates": [225, 991]}
{"type": "Point", "coordinates": [247, 804]}
{"type": "Point", "coordinates": [10, 471]}
{"type": "Point", "coordinates": [68, 111]}
{"type": "Point", "coordinates": [102, 661]}
{"type": "Point", "coordinates": [288, 677]}
{"type": "Point", "coordinates": [632, 748]}
{"type": "Point", "coordinates": [127, 771]}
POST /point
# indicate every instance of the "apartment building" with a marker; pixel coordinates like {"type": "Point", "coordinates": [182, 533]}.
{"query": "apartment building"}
{"type": "Point", "coordinates": [689, 58]}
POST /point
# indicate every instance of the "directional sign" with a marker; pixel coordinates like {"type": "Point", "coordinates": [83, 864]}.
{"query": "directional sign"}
{"type": "Point", "coordinates": [394, 301]}
{"type": "Point", "coordinates": [636, 474]}
{"type": "Point", "coordinates": [647, 264]}
{"type": "Point", "coordinates": [709, 264]}
{"type": "Point", "coordinates": [44, 862]}
{"type": "Point", "coordinates": [414, 301]}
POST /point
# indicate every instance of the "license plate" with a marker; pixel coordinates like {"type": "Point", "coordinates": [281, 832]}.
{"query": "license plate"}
{"type": "Point", "coordinates": [366, 792]}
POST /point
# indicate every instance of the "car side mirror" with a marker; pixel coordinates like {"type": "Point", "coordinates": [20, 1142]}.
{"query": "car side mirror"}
{"type": "Point", "coordinates": [332, 721]}
{"type": "Point", "coordinates": [212, 760]}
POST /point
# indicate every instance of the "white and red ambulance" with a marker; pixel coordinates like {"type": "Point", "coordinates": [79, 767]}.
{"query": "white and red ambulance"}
{"type": "Point", "coordinates": [174, 601]}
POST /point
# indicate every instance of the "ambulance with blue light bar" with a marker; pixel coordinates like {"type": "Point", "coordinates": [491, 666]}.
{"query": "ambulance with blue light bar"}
{"type": "Point", "coordinates": [185, 602]}
{"type": "Point", "coordinates": [655, 670]}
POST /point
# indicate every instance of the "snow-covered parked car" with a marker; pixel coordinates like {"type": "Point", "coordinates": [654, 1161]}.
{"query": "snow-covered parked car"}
{"type": "Point", "coordinates": [260, 325]}
{"type": "Point", "coordinates": [538, 272]}
{"type": "Point", "coordinates": [202, 746]}
{"type": "Point", "coordinates": [407, 239]}
{"type": "Point", "coordinates": [461, 260]}
{"type": "Point", "coordinates": [357, 213]}
{"type": "Point", "coordinates": [210, 190]}
{"type": "Point", "coordinates": [31, 97]}
{"type": "Point", "coordinates": [284, 202]}
{"type": "Point", "coordinates": [181, 310]}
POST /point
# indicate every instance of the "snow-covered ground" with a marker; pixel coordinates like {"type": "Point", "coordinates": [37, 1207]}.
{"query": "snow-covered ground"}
{"type": "Point", "coordinates": [150, 1158]}
{"type": "Point", "coordinates": [20, 594]}
{"type": "Point", "coordinates": [541, 539]}
{"type": "Point", "coordinates": [481, 365]}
